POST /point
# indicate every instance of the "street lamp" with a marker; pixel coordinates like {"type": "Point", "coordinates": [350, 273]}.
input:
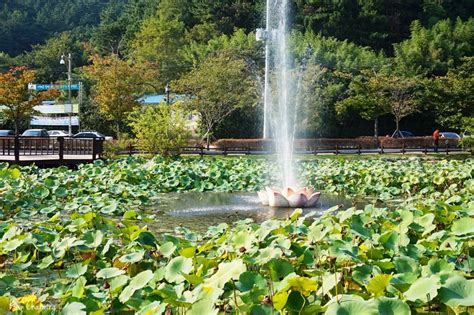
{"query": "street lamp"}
{"type": "Point", "coordinates": [167, 92]}
{"type": "Point", "coordinates": [69, 81]}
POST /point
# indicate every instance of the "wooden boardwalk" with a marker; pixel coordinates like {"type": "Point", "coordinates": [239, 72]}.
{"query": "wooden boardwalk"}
{"type": "Point", "coordinates": [49, 152]}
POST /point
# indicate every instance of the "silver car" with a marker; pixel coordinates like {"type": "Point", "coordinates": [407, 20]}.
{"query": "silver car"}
{"type": "Point", "coordinates": [449, 135]}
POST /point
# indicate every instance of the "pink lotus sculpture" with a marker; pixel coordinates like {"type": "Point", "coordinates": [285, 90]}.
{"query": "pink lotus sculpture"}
{"type": "Point", "coordinates": [289, 197]}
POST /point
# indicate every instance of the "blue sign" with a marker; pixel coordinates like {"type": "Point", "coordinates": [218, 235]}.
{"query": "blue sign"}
{"type": "Point", "coordinates": [61, 87]}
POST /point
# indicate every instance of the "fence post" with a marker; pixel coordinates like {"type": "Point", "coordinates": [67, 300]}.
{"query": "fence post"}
{"type": "Point", "coordinates": [381, 147]}
{"type": "Point", "coordinates": [447, 147]}
{"type": "Point", "coordinates": [337, 149]}
{"type": "Point", "coordinates": [61, 148]}
{"type": "Point", "coordinates": [358, 149]}
{"type": "Point", "coordinates": [17, 149]}
{"type": "Point", "coordinates": [94, 149]}
{"type": "Point", "coordinates": [426, 149]}
{"type": "Point", "coordinates": [130, 149]}
{"type": "Point", "coordinates": [403, 147]}
{"type": "Point", "coordinates": [225, 151]}
{"type": "Point", "coordinates": [201, 150]}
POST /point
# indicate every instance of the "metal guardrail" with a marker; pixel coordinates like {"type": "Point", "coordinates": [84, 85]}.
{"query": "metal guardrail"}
{"type": "Point", "coordinates": [32, 146]}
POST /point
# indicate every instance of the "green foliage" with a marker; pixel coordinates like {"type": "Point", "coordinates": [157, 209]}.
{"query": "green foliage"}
{"type": "Point", "coordinates": [336, 40]}
{"type": "Point", "coordinates": [160, 43]}
{"type": "Point", "coordinates": [160, 129]}
{"type": "Point", "coordinates": [117, 83]}
{"type": "Point", "coordinates": [367, 261]}
{"type": "Point", "coordinates": [451, 96]}
{"type": "Point", "coordinates": [340, 55]}
{"type": "Point", "coordinates": [377, 24]}
{"type": "Point", "coordinates": [24, 23]}
{"type": "Point", "coordinates": [216, 88]}
{"type": "Point", "coordinates": [46, 57]}
{"type": "Point", "coordinates": [433, 51]}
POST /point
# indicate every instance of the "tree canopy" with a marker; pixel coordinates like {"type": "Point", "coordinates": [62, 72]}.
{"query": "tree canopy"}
{"type": "Point", "coordinates": [341, 43]}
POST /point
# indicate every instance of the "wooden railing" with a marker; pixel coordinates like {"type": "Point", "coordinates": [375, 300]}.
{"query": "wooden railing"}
{"type": "Point", "coordinates": [32, 146]}
{"type": "Point", "coordinates": [336, 147]}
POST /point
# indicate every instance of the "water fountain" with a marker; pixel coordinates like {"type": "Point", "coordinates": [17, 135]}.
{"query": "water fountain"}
{"type": "Point", "coordinates": [280, 107]}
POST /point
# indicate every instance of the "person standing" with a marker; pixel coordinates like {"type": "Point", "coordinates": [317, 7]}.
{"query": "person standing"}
{"type": "Point", "coordinates": [436, 140]}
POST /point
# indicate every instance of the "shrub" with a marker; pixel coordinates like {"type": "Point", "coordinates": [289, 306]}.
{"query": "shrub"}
{"type": "Point", "coordinates": [113, 148]}
{"type": "Point", "coordinates": [159, 129]}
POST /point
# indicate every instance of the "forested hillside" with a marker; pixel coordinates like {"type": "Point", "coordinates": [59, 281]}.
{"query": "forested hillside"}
{"type": "Point", "coordinates": [351, 50]}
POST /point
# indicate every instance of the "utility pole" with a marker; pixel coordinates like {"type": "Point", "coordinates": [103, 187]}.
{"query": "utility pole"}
{"type": "Point", "coordinates": [264, 35]}
{"type": "Point", "coordinates": [69, 79]}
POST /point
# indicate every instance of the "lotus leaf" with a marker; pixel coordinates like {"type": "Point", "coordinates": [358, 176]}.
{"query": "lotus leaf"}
{"type": "Point", "coordinates": [108, 273]}
{"type": "Point", "coordinates": [74, 308]}
{"type": "Point", "coordinates": [457, 292]}
{"type": "Point", "coordinates": [176, 267]}
{"type": "Point", "coordinates": [423, 289]}
{"type": "Point", "coordinates": [392, 306]}
{"type": "Point", "coordinates": [463, 226]}
{"type": "Point", "coordinates": [378, 284]}
{"type": "Point", "coordinates": [137, 282]}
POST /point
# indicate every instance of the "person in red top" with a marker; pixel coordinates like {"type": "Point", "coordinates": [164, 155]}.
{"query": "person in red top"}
{"type": "Point", "coordinates": [436, 140]}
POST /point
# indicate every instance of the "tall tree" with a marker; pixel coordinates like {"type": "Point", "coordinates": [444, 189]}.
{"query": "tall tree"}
{"type": "Point", "coordinates": [160, 42]}
{"type": "Point", "coordinates": [216, 88]}
{"type": "Point", "coordinates": [366, 96]}
{"type": "Point", "coordinates": [451, 97]}
{"type": "Point", "coordinates": [401, 93]}
{"type": "Point", "coordinates": [118, 85]}
{"type": "Point", "coordinates": [433, 51]}
{"type": "Point", "coordinates": [18, 101]}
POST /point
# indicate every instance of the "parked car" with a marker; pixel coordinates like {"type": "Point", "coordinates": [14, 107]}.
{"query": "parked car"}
{"type": "Point", "coordinates": [7, 133]}
{"type": "Point", "coordinates": [403, 134]}
{"type": "Point", "coordinates": [91, 135]}
{"type": "Point", "coordinates": [57, 133]}
{"type": "Point", "coordinates": [38, 133]}
{"type": "Point", "coordinates": [449, 135]}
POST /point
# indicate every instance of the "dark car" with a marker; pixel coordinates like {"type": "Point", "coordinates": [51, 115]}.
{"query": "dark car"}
{"type": "Point", "coordinates": [7, 133]}
{"type": "Point", "coordinates": [37, 133]}
{"type": "Point", "coordinates": [403, 134]}
{"type": "Point", "coordinates": [89, 135]}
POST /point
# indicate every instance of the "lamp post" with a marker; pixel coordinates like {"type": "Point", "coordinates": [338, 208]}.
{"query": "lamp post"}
{"type": "Point", "coordinates": [69, 81]}
{"type": "Point", "coordinates": [167, 92]}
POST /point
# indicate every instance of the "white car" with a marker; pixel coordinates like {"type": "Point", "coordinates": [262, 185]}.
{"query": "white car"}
{"type": "Point", "coordinates": [57, 133]}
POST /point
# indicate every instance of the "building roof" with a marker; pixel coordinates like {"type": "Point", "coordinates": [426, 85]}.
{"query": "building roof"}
{"type": "Point", "coordinates": [153, 99]}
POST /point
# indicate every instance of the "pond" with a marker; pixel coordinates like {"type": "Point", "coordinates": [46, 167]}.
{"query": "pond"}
{"type": "Point", "coordinates": [197, 211]}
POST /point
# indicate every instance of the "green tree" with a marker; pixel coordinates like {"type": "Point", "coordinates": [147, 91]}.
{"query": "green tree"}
{"type": "Point", "coordinates": [216, 88]}
{"type": "Point", "coordinates": [160, 129]}
{"type": "Point", "coordinates": [402, 94]}
{"type": "Point", "coordinates": [452, 96]}
{"type": "Point", "coordinates": [160, 42]}
{"type": "Point", "coordinates": [24, 23]}
{"type": "Point", "coordinates": [335, 54]}
{"type": "Point", "coordinates": [321, 88]}
{"type": "Point", "coordinates": [367, 97]}
{"type": "Point", "coordinates": [435, 50]}
{"type": "Point", "coordinates": [45, 58]}
{"type": "Point", "coordinates": [118, 84]}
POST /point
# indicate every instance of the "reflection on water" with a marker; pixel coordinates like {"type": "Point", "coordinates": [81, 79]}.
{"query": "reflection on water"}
{"type": "Point", "coordinates": [198, 211]}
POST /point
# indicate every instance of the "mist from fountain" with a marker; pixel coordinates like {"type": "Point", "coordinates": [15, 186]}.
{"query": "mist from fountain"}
{"type": "Point", "coordinates": [280, 88]}
{"type": "Point", "coordinates": [281, 100]}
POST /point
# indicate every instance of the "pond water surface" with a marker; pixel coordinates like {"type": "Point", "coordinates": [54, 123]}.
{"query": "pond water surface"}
{"type": "Point", "coordinates": [198, 211]}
